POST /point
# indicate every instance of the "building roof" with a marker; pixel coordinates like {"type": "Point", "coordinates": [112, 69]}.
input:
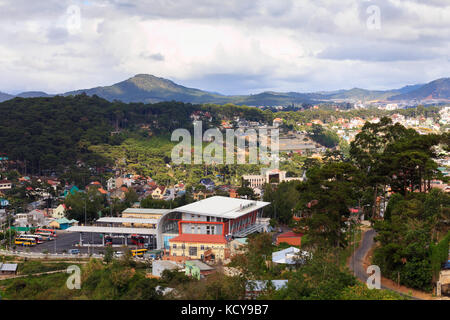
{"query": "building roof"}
{"type": "Point", "coordinates": [201, 265]}
{"type": "Point", "coordinates": [127, 220]}
{"type": "Point", "coordinates": [63, 221]}
{"type": "Point", "coordinates": [201, 238]}
{"type": "Point", "coordinates": [287, 256]}
{"type": "Point", "coordinates": [112, 230]}
{"type": "Point", "coordinates": [146, 211]}
{"type": "Point", "coordinates": [167, 264]}
{"type": "Point", "coordinates": [290, 234]}
{"type": "Point", "coordinates": [223, 207]}
{"type": "Point", "coordinates": [10, 267]}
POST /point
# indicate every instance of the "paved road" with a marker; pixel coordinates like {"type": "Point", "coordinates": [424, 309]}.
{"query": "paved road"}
{"type": "Point", "coordinates": [357, 260]}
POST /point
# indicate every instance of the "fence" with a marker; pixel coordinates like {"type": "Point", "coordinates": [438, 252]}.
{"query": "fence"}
{"type": "Point", "coordinates": [39, 255]}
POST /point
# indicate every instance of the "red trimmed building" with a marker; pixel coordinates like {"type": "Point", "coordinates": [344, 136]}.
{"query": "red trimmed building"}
{"type": "Point", "coordinates": [204, 228]}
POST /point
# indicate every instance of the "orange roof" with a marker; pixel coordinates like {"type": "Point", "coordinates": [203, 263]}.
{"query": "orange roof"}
{"type": "Point", "coordinates": [290, 235]}
{"type": "Point", "coordinates": [103, 191]}
{"type": "Point", "coordinates": [202, 238]}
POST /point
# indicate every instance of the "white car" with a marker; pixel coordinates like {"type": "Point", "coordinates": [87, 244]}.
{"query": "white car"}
{"type": "Point", "coordinates": [118, 254]}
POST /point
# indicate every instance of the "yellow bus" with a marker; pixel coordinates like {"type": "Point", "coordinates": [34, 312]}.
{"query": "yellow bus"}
{"type": "Point", "coordinates": [138, 252]}
{"type": "Point", "coordinates": [26, 242]}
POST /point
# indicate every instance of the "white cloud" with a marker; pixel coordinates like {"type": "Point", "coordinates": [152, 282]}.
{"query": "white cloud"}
{"type": "Point", "coordinates": [230, 47]}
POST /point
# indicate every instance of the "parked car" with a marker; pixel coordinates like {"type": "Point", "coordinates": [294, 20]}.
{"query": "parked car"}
{"type": "Point", "coordinates": [446, 265]}
{"type": "Point", "coordinates": [74, 251]}
{"type": "Point", "coordinates": [118, 254]}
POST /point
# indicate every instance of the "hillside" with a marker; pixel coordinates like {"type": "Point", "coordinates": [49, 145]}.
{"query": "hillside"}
{"type": "Point", "coordinates": [150, 89]}
{"type": "Point", "coordinates": [33, 94]}
{"type": "Point", "coordinates": [437, 89]}
{"type": "Point", "coordinates": [5, 96]}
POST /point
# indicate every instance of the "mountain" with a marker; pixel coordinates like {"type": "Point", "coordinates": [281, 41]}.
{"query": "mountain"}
{"type": "Point", "coordinates": [149, 89]}
{"type": "Point", "coordinates": [5, 96]}
{"type": "Point", "coordinates": [437, 89]}
{"type": "Point", "coordinates": [33, 94]}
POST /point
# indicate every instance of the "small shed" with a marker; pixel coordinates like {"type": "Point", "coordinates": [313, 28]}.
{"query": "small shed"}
{"type": "Point", "coordinates": [8, 268]}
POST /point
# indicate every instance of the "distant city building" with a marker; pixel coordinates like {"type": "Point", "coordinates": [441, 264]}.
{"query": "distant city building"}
{"type": "Point", "coordinates": [269, 176]}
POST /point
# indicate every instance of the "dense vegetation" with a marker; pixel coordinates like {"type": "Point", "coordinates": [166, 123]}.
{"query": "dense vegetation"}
{"type": "Point", "coordinates": [50, 134]}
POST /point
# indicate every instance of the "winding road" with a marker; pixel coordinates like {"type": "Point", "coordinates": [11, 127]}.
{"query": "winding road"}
{"type": "Point", "coordinates": [357, 260]}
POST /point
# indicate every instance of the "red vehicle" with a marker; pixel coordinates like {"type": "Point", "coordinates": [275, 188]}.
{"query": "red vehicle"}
{"type": "Point", "coordinates": [137, 240]}
{"type": "Point", "coordinates": [41, 230]}
{"type": "Point", "coordinates": [108, 241]}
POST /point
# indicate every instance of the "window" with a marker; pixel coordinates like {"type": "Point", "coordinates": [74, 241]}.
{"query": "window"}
{"type": "Point", "coordinates": [183, 246]}
{"type": "Point", "coordinates": [192, 251]}
{"type": "Point", "coordinates": [174, 246]}
{"type": "Point", "coordinates": [208, 218]}
{"type": "Point", "coordinates": [174, 254]}
{"type": "Point", "coordinates": [202, 247]}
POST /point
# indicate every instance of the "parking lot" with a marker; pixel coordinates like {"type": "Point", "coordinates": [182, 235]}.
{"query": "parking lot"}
{"type": "Point", "coordinates": [69, 240]}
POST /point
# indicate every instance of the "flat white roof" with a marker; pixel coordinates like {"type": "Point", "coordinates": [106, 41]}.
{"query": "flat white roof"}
{"type": "Point", "coordinates": [127, 220]}
{"type": "Point", "coordinates": [8, 266]}
{"type": "Point", "coordinates": [222, 207]}
{"type": "Point", "coordinates": [146, 211]}
{"type": "Point", "coordinates": [108, 230]}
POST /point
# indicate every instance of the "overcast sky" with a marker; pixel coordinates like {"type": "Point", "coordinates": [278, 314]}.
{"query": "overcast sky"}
{"type": "Point", "coordinates": [231, 47]}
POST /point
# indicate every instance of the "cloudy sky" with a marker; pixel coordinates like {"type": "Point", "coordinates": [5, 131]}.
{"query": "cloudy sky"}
{"type": "Point", "coordinates": [231, 47]}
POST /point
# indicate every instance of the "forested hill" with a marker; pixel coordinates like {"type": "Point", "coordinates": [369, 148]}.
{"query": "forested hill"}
{"type": "Point", "coordinates": [53, 132]}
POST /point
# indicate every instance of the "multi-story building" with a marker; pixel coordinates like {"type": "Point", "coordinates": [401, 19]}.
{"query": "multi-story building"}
{"type": "Point", "coordinates": [205, 228]}
{"type": "Point", "coordinates": [268, 176]}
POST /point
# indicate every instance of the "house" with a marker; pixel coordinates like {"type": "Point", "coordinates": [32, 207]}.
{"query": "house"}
{"type": "Point", "coordinates": [233, 193]}
{"type": "Point", "coordinates": [158, 193]}
{"type": "Point", "coordinates": [197, 269]}
{"type": "Point", "coordinates": [59, 212]}
{"type": "Point", "coordinates": [62, 223]}
{"type": "Point", "coordinates": [158, 267]}
{"type": "Point", "coordinates": [32, 219]}
{"type": "Point", "coordinates": [254, 288]}
{"type": "Point", "coordinates": [119, 193]}
{"type": "Point", "coordinates": [290, 256]}
{"type": "Point", "coordinates": [292, 238]}
{"type": "Point", "coordinates": [201, 195]}
{"type": "Point", "coordinates": [5, 185]}
{"type": "Point", "coordinates": [277, 122]}
{"type": "Point", "coordinates": [72, 190]}
{"type": "Point", "coordinates": [208, 183]}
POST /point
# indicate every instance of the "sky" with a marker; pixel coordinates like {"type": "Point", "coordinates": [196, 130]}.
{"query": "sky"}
{"type": "Point", "coordinates": [230, 47]}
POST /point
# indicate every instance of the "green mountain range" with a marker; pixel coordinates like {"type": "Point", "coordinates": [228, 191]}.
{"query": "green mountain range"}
{"type": "Point", "coordinates": [150, 89]}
